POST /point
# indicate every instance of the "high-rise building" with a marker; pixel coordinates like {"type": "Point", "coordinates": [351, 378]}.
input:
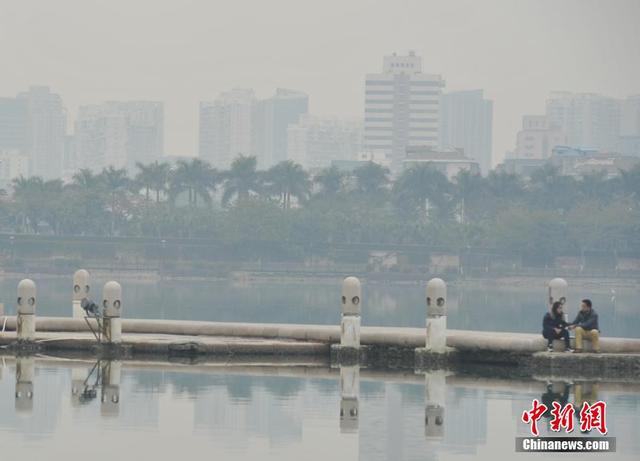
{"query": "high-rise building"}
{"type": "Point", "coordinates": [401, 108]}
{"type": "Point", "coordinates": [314, 142]}
{"type": "Point", "coordinates": [119, 134]}
{"type": "Point", "coordinates": [34, 124]}
{"type": "Point", "coordinates": [537, 138]}
{"type": "Point", "coordinates": [46, 131]}
{"type": "Point", "coordinates": [272, 118]}
{"type": "Point", "coordinates": [226, 126]}
{"type": "Point", "coordinates": [13, 125]}
{"type": "Point", "coordinates": [466, 122]}
{"type": "Point", "coordinates": [589, 120]}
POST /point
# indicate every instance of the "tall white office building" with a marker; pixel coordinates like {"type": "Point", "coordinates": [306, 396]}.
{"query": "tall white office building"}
{"type": "Point", "coordinates": [401, 109]}
{"type": "Point", "coordinates": [118, 134]}
{"type": "Point", "coordinates": [226, 127]}
{"type": "Point", "coordinates": [466, 122]}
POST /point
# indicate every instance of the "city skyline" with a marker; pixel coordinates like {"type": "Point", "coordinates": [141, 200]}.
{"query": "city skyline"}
{"type": "Point", "coordinates": [185, 65]}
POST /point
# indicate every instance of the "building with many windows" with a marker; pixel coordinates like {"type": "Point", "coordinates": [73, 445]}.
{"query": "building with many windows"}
{"type": "Point", "coordinates": [33, 124]}
{"type": "Point", "coordinates": [272, 118]}
{"type": "Point", "coordinates": [402, 108]}
{"type": "Point", "coordinates": [226, 127]}
{"type": "Point", "coordinates": [118, 134]}
{"type": "Point", "coordinates": [316, 142]}
{"type": "Point", "coordinates": [537, 138]}
{"type": "Point", "coordinates": [466, 122]}
{"type": "Point", "coordinates": [588, 120]}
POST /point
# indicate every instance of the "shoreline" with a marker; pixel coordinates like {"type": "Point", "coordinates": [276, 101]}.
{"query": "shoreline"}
{"type": "Point", "coordinates": [507, 282]}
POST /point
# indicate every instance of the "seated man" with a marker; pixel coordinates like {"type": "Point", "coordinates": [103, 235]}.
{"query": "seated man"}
{"type": "Point", "coordinates": [554, 327]}
{"type": "Point", "coordinates": [586, 325]}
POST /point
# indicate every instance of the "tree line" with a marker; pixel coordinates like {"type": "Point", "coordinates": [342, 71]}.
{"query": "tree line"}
{"type": "Point", "coordinates": [546, 214]}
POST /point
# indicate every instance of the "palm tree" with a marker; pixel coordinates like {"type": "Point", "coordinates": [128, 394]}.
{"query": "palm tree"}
{"type": "Point", "coordinates": [160, 178]}
{"type": "Point", "coordinates": [241, 180]}
{"type": "Point", "coordinates": [115, 183]}
{"type": "Point", "coordinates": [195, 176]}
{"type": "Point", "coordinates": [371, 178]}
{"type": "Point", "coordinates": [425, 188]}
{"type": "Point", "coordinates": [84, 180]}
{"type": "Point", "coordinates": [330, 180]}
{"type": "Point", "coordinates": [153, 177]}
{"type": "Point", "coordinates": [287, 179]}
{"type": "Point", "coordinates": [143, 178]}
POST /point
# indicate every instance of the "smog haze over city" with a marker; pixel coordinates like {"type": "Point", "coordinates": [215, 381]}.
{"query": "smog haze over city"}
{"type": "Point", "coordinates": [184, 52]}
{"type": "Point", "coordinates": [331, 229]}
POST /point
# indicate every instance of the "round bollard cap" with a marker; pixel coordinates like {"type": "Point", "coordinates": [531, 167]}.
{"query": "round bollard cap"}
{"type": "Point", "coordinates": [558, 290]}
{"type": "Point", "coordinates": [26, 301]}
{"type": "Point", "coordinates": [81, 284]}
{"type": "Point", "coordinates": [436, 297]}
{"type": "Point", "coordinates": [112, 299]}
{"type": "Point", "coordinates": [351, 296]}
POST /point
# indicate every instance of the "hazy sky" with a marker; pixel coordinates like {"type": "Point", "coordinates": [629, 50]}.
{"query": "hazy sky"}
{"type": "Point", "coordinates": [182, 51]}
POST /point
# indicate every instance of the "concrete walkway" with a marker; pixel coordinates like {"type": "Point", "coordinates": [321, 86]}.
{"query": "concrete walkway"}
{"type": "Point", "coordinates": [228, 332]}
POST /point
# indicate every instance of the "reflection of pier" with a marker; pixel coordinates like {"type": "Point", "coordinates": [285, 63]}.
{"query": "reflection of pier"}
{"type": "Point", "coordinates": [229, 400]}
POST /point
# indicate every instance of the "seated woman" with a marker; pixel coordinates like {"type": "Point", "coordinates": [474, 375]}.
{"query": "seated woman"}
{"type": "Point", "coordinates": [554, 327]}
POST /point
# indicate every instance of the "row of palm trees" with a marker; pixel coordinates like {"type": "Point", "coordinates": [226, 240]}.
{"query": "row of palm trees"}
{"type": "Point", "coordinates": [420, 191]}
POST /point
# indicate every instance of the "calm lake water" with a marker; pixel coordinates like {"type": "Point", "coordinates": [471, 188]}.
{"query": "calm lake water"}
{"type": "Point", "coordinates": [494, 308]}
{"type": "Point", "coordinates": [163, 412]}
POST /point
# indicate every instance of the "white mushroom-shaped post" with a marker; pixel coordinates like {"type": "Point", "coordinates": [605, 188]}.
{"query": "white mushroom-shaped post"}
{"type": "Point", "coordinates": [558, 289]}
{"type": "Point", "coordinates": [81, 288]}
{"type": "Point", "coordinates": [110, 398]}
{"type": "Point", "coordinates": [25, 368]}
{"type": "Point", "coordinates": [435, 397]}
{"type": "Point", "coordinates": [436, 316]}
{"type": "Point", "coordinates": [112, 310]}
{"type": "Point", "coordinates": [349, 394]}
{"type": "Point", "coordinates": [26, 308]}
{"type": "Point", "coordinates": [351, 304]}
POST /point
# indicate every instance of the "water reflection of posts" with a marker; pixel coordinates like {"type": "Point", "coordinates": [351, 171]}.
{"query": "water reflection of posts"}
{"type": "Point", "coordinates": [78, 377]}
{"type": "Point", "coordinates": [25, 370]}
{"type": "Point", "coordinates": [112, 305]}
{"type": "Point", "coordinates": [26, 310]}
{"type": "Point", "coordinates": [350, 322]}
{"type": "Point", "coordinates": [435, 398]}
{"type": "Point", "coordinates": [436, 316]}
{"type": "Point", "coordinates": [81, 288]}
{"type": "Point", "coordinates": [349, 394]}
{"type": "Point", "coordinates": [110, 399]}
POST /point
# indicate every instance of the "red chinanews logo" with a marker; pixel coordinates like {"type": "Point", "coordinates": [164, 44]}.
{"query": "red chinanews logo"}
{"type": "Point", "coordinates": [591, 417]}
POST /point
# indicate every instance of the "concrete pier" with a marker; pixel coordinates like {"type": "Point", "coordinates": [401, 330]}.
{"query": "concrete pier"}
{"type": "Point", "coordinates": [388, 345]}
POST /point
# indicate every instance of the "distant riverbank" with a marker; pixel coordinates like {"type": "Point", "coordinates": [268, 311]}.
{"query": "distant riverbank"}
{"type": "Point", "coordinates": [516, 281]}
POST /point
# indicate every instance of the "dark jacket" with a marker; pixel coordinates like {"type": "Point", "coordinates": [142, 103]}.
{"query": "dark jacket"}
{"type": "Point", "coordinates": [588, 321]}
{"type": "Point", "coordinates": [550, 322]}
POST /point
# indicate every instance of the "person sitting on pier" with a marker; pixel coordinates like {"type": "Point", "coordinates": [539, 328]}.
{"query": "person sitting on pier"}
{"type": "Point", "coordinates": [555, 327]}
{"type": "Point", "coordinates": [586, 325]}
